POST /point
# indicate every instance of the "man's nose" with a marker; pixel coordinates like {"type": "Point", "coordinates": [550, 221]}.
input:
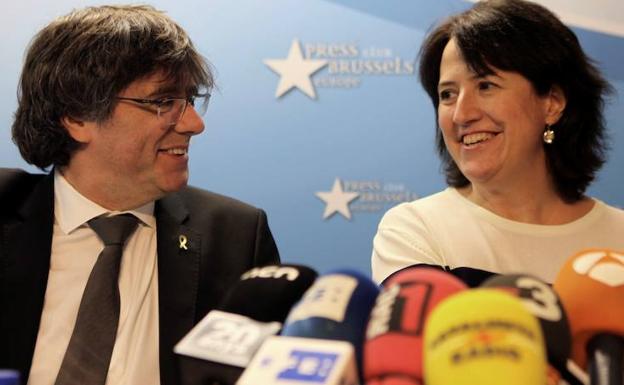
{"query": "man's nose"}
{"type": "Point", "coordinates": [191, 123]}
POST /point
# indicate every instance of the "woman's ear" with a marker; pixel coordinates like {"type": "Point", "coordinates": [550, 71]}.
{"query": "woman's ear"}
{"type": "Point", "coordinates": [79, 130]}
{"type": "Point", "coordinates": [555, 105]}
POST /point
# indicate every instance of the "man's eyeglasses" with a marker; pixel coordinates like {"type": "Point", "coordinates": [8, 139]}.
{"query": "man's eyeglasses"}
{"type": "Point", "coordinates": [172, 109]}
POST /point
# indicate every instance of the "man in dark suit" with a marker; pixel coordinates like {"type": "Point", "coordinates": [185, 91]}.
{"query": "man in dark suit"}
{"type": "Point", "coordinates": [109, 100]}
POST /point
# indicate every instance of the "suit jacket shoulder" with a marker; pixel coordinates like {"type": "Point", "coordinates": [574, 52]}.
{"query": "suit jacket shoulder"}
{"type": "Point", "coordinates": [15, 188]}
{"type": "Point", "coordinates": [232, 236]}
{"type": "Point", "coordinates": [215, 203]}
{"type": "Point", "coordinates": [230, 220]}
{"type": "Point", "coordinates": [206, 241]}
{"type": "Point", "coordinates": [26, 220]}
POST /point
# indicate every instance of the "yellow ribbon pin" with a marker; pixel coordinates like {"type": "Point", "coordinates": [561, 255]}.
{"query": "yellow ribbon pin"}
{"type": "Point", "coordinates": [183, 241]}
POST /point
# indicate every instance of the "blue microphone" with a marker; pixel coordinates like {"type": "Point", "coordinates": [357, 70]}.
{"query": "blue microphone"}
{"type": "Point", "coordinates": [336, 307]}
{"type": "Point", "coordinates": [322, 338]}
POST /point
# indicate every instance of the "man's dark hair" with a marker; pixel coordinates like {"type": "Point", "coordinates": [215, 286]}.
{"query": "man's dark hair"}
{"type": "Point", "coordinates": [526, 38]}
{"type": "Point", "coordinates": [79, 63]}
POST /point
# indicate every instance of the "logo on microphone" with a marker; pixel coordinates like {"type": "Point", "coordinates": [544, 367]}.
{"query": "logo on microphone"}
{"type": "Point", "coordinates": [381, 315]}
{"type": "Point", "coordinates": [327, 298]}
{"type": "Point", "coordinates": [486, 344]}
{"type": "Point", "coordinates": [276, 272]}
{"type": "Point", "coordinates": [604, 266]}
{"type": "Point", "coordinates": [308, 366]}
{"type": "Point", "coordinates": [496, 339]}
{"type": "Point", "coordinates": [226, 338]}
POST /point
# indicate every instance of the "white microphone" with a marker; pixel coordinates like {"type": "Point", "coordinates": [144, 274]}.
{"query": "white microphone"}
{"type": "Point", "coordinates": [295, 361]}
{"type": "Point", "coordinates": [226, 338]}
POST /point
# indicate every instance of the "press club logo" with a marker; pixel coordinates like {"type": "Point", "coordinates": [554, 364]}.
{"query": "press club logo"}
{"type": "Point", "coordinates": [350, 196]}
{"type": "Point", "coordinates": [342, 65]}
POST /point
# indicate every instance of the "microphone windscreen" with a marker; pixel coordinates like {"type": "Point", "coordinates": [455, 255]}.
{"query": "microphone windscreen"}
{"type": "Point", "coordinates": [483, 337]}
{"type": "Point", "coordinates": [336, 307]}
{"type": "Point", "coordinates": [394, 380]}
{"type": "Point", "coordinates": [395, 330]}
{"type": "Point", "coordinates": [268, 293]}
{"type": "Point", "coordinates": [544, 303]}
{"type": "Point", "coordinates": [591, 287]}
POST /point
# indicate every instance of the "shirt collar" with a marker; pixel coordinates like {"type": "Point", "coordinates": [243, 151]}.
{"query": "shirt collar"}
{"type": "Point", "coordinates": [72, 209]}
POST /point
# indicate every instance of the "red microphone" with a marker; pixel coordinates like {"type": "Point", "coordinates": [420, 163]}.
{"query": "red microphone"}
{"type": "Point", "coordinates": [393, 348]}
{"type": "Point", "coordinates": [591, 287]}
{"type": "Point", "coordinates": [396, 380]}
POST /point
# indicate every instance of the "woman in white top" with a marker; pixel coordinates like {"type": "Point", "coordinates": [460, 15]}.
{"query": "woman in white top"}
{"type": "Point", "coordinates": [521, 136]}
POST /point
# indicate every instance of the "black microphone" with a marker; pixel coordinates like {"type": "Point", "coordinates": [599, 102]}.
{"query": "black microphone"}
{"type": "Point", "coordinates": [544, 303]}
{"type": "Point", "coordinates": [221, 345]}
{"type": "Point", "coordinates": [268, 293]}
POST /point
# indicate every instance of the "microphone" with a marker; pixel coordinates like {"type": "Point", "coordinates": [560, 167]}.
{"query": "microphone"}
{"type": "Point", "coordinates": [483, 337]}
{"type": "Point", "coordinates": [544, 303]}
{"type": "Point", "coordinates": [394, 380]}
{"type": "Point", "coordinates": [222, 344]}
{"type": "Point", "coordinates": [321, 342]}
{"type": "Point", "coordinates": [9, 377]}
{"type": "Point", "coordinates": [591, 287]}
{"type": "Point", "coordinates": [268, 293]}
{"type": "Point", "coordinates": [393, 348]}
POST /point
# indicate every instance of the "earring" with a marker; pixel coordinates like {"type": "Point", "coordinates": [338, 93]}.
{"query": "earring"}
{"type": "Point", "coordinates": [549, 135]}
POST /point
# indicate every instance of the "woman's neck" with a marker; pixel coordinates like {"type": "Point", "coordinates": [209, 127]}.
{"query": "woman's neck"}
{"type": "Point", "coordinates": [528, 203]}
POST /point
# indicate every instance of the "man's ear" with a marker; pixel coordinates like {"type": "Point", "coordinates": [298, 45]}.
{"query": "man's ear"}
{"type": "Point", "coordinates": [556, 103]}
{"type": "Point", "coordinates": [80, 130]}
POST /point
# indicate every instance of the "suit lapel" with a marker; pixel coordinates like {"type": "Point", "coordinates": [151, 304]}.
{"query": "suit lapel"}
{"type": "Point", "coordinates": [178, 279]}
{"type": "Point", "coordinates": [26, 248]}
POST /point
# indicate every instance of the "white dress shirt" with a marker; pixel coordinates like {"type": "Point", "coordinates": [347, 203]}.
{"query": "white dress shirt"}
{"type": "Point", "coordinates": [75, 248]}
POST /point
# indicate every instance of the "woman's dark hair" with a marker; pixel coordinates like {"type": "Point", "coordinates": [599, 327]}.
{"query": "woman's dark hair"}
{"type": "Point", "coordinates": [79, 63]}
{"type": "Point", "coordinates": [526, 38]}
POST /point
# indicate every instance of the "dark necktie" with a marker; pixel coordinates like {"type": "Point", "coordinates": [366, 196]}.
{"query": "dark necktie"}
{"type": "Point", "coordinates": [89, 351]}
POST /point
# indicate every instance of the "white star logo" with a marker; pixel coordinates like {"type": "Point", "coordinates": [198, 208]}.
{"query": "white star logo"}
{"type": "Point", "coordinates": [295, 71]}
{"type": "Point", "coordinates": [337, 200]}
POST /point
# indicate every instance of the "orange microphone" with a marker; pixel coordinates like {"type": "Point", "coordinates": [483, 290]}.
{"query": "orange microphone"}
{"type": "Point", "coordinates": [591, 287]}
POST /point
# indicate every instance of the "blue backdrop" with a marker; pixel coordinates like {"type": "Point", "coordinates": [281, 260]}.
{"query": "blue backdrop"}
{"type": "Point", "coordinates": [318, 117]}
